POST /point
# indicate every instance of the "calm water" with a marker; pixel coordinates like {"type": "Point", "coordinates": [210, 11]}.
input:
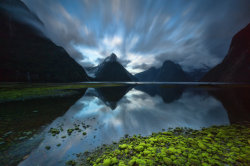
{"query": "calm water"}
{"type": "Point", "coordinates": [107, 114]}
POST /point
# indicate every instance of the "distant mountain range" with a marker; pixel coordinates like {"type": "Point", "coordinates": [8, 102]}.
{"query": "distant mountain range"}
{"type": "Point", "coordinates": [168, 72]}
{"type": "Point", "coordinates": [110, 70]}
{"type": "Point", "coordinates": [26, 55]}
{"type": "Point", "coordinates": [236, 65]}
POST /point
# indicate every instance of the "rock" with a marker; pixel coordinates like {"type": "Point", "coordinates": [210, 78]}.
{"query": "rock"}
{"type": "Point", "coordinates": [47, 147]}
{"type": "Point", "coordinates": [8, 133]}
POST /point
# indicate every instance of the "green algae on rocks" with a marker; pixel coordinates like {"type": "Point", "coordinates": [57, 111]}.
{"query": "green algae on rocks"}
{"type": "Point", "coordinates": [47, 147]}
{"type": "Point", "coordinates": [54, 131]}
{"type": "Point", "coordinates": [217, 145]}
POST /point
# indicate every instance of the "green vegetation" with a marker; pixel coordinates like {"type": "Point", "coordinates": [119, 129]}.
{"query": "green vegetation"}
{"type": "Point", "coordinates": [77, 128]}
{"type": "Point", "coordinates": [15, 91]}
{"type": "Point", "coordinates": [223, 145]}
{"type": "Point", "coordinates": [54, 131]}
{"type": "Point", "coordinates": [71, 162]}
{"type": "Point", "coordinates": [47, 147]}
{"type": "Point", "coordinates": [69, 131]}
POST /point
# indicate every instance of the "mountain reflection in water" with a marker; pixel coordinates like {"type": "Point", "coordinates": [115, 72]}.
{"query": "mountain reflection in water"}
{"type": "Point", "coordinates": [113, 112]}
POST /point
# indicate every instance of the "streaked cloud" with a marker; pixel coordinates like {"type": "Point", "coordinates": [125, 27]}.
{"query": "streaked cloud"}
{"type": "Point", "coordinates": [143, 33]}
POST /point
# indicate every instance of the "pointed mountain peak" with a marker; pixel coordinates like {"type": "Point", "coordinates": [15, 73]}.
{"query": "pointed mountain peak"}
{"type": "Point", "coordinates": [168, 62]}
{"type": "Point", "coordinates": [111, 70]}
{"type": "Point", "coordinates": [111, 58]}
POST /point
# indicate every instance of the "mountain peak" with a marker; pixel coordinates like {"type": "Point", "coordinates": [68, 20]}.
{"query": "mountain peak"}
{"type": "Point", "coordinates": [169, 71]}
{"type": "Point", "coordinates": [168, 62]}
{"type": "Point", "coordinates": [111, 70]}
{"type": "Point", "coordinates": [111, 58]}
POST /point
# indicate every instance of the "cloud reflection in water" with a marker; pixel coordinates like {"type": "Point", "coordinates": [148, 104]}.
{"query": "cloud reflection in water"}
{"type": "Point", "coordinates": [136, 113]}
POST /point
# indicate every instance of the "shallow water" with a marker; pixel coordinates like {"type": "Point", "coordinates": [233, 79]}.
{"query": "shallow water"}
{"type": "Point", "coordinates": [107, 114]}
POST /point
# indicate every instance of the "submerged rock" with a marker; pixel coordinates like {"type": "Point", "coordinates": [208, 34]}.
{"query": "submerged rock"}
{"type": "Point", "coordinates": [47, 147]}
{"type": "Point", "coordinates": [54, 131]}
{"type": "Point", "coordinates": [8, 133]}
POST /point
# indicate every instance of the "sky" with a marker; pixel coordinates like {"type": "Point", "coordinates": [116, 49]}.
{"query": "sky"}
{"type": "Point", "coordinates": [143, 33]}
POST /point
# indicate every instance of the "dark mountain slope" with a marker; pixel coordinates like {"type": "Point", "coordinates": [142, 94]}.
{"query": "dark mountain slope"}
{"type": "Point", "coordinates": [26, 55]}
{"type": "Point", "coordinates": [236, 65]}
{"type": "Point", "coordinates": [171, 72]}
{"type": "Point", "coordinates": [148, 75]}
{"type": "Point", "coordinates": [197, 74]}
{"type": "Point", "coordinates": [168, 72]}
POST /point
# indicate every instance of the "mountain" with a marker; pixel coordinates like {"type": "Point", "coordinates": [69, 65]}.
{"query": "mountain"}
{"type": "Point", "coordinates": [171, 71]}
{"type": "Point", "coordinates": [91, 71]}
{"type": "Point", "coordinates": [168, 72]}
{"type": "Point", "coordinates": [147, 75]}
{"type": "Point", "coordinates": [197, 74]}
{"type": "Point", "coordinates": [236, 65]}
{"type": "Point", "coordinates": [111, 70]}
{"type": "Point", "coordinates": [26, 55]}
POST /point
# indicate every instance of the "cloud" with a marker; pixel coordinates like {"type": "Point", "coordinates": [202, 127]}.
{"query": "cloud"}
{"type": "Point", "coordinates": [189, 60]}
{"type": "Point", "coordinates": [144, 33]}
{"type": "Point", "coordinates": [143, 66]}
{"type": "Point", "coordinates": [63, 28]}
{"type": "Point", "coordinates": [124, 62]}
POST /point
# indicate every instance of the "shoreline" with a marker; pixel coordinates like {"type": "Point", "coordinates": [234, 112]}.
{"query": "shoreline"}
{"type": "Point", "coordinates": [23, 91]}
{"type": "Point", "coordinates": [216, 145]}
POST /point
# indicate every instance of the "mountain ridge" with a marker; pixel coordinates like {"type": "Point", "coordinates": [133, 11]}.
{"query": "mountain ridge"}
{"type": "Point", "coordinates": [168, 72]}
{"type": "Point", "coordinates": [235, 67]}
{"type": "Point", "coordinates": [26, 55]}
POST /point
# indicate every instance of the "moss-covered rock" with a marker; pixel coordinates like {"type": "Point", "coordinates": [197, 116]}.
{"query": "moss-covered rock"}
{"type": "Point", "coordinates": [47, 147]}
{"type": "Point", "coordinates": [217, 145]}
{"type": "Point", "coordinates": [54, 131]}
{"type": "Point", "coordinates": [69, 131]}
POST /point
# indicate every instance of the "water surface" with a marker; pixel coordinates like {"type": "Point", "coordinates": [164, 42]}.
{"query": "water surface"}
{"type": "Point", "coordinates": [107, 114]}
